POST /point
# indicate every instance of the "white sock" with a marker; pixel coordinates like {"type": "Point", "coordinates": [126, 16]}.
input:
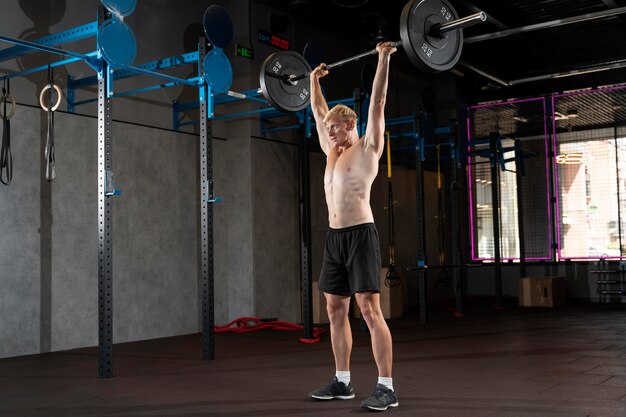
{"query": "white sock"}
{"type": "Point", "coordinates": [343, 376]}
{"type": "Point", "coordinates": [388, 382]}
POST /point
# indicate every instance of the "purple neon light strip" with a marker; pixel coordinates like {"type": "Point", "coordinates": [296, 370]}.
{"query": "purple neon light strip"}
{"type": "Point", "coordinates": [557, 192]}
{"type": "Point", "coordinates": [547, 145]}
{"type": "Point", "coordinates": [556, 171]}
{"type": "Point", "coordinates": [471, 193]}
{"type": "Point", "coordinates": [471, 180]}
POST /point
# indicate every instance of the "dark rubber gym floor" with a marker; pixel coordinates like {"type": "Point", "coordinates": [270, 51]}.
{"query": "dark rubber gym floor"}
{"type": "Point", "coordinates": [563, 362]}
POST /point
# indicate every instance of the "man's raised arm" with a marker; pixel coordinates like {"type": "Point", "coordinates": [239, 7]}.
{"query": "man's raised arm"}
{"type": "Point", "coordinates": [319, 106]}
{"type": "Point", "coordinates": [374, 133]}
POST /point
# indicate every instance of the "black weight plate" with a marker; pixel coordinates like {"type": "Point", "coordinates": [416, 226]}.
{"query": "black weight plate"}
{"type": "Point", "coordinates": [280, 93]}
{"type": "Point", "coordinates": [313, 54]}
{"type": "Point", "coordinates": [218, 26]}
{"type": "Point", "coordinates": [430, 53]}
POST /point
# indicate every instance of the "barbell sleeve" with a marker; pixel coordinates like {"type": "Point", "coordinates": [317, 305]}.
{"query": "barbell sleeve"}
{"type": "Point", "coordinates": [461, 23]}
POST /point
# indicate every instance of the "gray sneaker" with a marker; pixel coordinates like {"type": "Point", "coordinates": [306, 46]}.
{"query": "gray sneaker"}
{"type": "Point", "coordinates": [381, 399]}
{"type": "Point", "coordinates": [334, 390]}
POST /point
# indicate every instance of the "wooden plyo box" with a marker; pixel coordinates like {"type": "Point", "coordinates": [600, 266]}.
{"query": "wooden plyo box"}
{"type": "Point", "coordinates": [319, 306]}
{"type": "Point", "coordinates": [542, 291]}
{"type": "Point", "coordinates": [391, 298]}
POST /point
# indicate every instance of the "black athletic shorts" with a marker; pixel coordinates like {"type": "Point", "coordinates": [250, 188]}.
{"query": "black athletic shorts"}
{"type": "Point", "coordinates": [351, 260]}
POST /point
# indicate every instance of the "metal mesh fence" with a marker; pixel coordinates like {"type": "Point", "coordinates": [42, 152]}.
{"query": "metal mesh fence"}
{"type": "Point", "coordinates": [523, 185]}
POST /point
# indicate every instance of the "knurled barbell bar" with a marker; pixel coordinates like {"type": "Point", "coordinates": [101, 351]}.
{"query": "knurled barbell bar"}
{"type": "Point", "coordinates": [431, 35]}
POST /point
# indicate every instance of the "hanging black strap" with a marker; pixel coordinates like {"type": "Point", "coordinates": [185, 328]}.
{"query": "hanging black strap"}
{"type": "Point", "coordinates": [6, 158]}
{"type": "Point", "coordinates": [49, 152]}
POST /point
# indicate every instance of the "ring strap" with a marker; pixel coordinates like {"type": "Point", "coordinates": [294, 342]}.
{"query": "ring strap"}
{"type": "Point", "coordinates": [49, 152]}
{"type": "Point", "coordinates": [6, 158]}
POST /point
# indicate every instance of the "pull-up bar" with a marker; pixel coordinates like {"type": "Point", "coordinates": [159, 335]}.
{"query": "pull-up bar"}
{"type": "Point", "coordinates": [45, 67]}
{"type": "Point", "coordinates": [88, 59]}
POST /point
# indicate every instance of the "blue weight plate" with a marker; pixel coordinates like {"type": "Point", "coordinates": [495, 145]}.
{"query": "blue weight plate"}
{"type": "Point", "coordinates": [120, 7]}
{"type": "Point", "coordinates": [218, 26]}
{"type": "Point", "coordinates": [116, 43]}
{"type": "Point", "coordinates": [218, 72]}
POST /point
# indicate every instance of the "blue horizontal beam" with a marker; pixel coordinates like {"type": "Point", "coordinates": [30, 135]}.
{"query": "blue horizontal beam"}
{"type": "Point", "coordinates": [274, 114]}
{"type": "Point", "coordinates": [151, 88]}
{"type": "Point", "coordinates": [399, 120]}
{"type": "Point", "coordinates": [222, 99]}
{"type": "Point", "coordinates": [165, 76]}
{"type": "Point", "coordinates": [282, 128]}
{"type": "Point", "coordinates": [136, 91]}
{"type": "Point", "coordinates": [246, 113]}
{"type": "Point", "coordinates": [249, 95]}
{"type": "Point", "coordinates": [189, 58]}
{"type": "Point", "coordinates": [70, 35]}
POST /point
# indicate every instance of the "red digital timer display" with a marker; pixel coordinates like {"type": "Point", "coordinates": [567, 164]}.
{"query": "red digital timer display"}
{"type": "Point", "coordinates": [274, 40]}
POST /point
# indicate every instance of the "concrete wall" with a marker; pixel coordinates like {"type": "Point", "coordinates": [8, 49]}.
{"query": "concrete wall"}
{"type": "Point", "coordinates": [49, 232]}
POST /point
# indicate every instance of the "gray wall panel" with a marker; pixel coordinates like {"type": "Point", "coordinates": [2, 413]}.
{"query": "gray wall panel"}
{"type": "Point", "coordinates": [239, 206]}
{"type": "Point", "coordinates": [74, 299]}
{"type": "Point", "coordinates": [276, 231]}
{"type": "Point", "coordinates": [162, 239]}
{"type": "Point", "coordinates": [154, 236]}
{"type": "Point", "coordinates": [19, 243]}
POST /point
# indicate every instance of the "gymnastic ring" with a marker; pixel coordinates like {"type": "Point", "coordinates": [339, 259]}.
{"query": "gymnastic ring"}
{"type": "Point", "coordinates": [59, 95]}
{"type": "Point", "coordinates": [4, 99]}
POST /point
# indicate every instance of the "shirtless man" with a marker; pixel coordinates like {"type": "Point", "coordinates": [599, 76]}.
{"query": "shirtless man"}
{"type": "Point", "coordinates": [352, 255]}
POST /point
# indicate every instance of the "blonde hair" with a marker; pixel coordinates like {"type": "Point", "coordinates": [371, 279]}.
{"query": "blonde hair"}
{"type": "Point", "coordinates": [342, 111]}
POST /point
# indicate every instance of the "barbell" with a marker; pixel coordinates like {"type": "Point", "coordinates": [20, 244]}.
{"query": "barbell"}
{"type": "Point", "coordinates": [431, 36]}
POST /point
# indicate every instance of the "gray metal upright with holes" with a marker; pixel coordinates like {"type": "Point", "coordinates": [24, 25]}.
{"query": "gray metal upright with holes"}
{"type": "Point", "coordinates": [458, 276]}
{"type": "Point", "coordinates": [206, 208]}
{"type": "Point", "coordinates": [105, 222]}
{"type": "Point", "coordinates": [419, 205]}
{"type": "Point", "coordinates": [306, 270]}
{"type": "Point", "coordinates": [495, 215]}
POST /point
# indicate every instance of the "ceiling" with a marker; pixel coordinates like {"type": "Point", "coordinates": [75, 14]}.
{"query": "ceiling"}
{"type": "Point", "coordinates": [561, 52]}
